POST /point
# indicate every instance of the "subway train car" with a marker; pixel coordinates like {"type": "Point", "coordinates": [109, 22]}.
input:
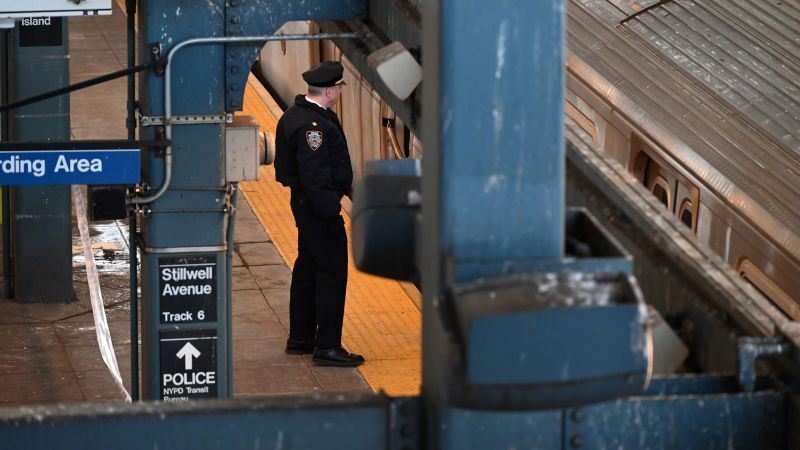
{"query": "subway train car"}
{"type": "Point", "coordinates": [699, 101]}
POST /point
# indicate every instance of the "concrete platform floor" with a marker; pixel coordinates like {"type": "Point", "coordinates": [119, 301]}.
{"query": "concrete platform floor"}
{"type": "Point", "coordinates": [49, 353]}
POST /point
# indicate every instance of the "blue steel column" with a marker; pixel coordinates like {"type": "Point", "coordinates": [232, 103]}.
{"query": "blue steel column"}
{"type": "Point", "coordinates": [189, 219]}
{"type": "Point", "coordinates": [4, 217]}
{"type": "Point", "coordinates": [41, 215]}
{"type": "Point", "coordinates": [501, 140]}
{"type": "Point", "coordinates": [493, 174]}
{"type": "Point", "coordinates": [198, 172]}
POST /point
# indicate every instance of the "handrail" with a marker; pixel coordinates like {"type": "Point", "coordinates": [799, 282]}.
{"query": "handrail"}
{"type": "Point", "coordinates": [168, 87]}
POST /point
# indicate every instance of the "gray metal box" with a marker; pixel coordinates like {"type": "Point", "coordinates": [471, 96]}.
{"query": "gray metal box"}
{"type": "Point", "coordinates": [242, 150]}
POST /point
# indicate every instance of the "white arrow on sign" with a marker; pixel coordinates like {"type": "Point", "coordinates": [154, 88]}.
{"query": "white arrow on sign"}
{"type": "Point", "coordinates": [188, 352]}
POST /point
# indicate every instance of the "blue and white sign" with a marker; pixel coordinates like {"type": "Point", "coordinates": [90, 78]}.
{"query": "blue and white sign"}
{"type": "Point", "coordinates": [101, 166]}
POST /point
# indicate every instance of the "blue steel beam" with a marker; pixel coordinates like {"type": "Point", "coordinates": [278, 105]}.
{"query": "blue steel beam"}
{"type": "Point", "coordinates": [724, 421]}
{"type": "Point", "coordinates": [296, 423]}
{"type": "Point", "coordinates": [686, 412]}
{"type": "Point", "coordinates": [465, 429]}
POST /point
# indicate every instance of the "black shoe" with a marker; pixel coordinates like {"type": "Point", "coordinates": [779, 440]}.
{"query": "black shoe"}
{"type": "Point", "coordinates": [338, 357]}
{"type": "Point", "coordinates": [299, 347]}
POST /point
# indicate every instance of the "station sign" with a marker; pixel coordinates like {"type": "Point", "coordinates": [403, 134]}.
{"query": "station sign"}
{"type": "Point", "coordinates": [34, 164]}
{"type": "Point", "coordinates": [188, 365]}
{"type": "Point", "coordinates": [187, 287]}
{"type": "Point", "coordinates": [53, 8]}
{"type": "Point", "coordinates": [41, 32]}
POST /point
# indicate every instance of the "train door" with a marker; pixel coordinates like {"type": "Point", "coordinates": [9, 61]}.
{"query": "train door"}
{"type": "Point", "coordinates": [638, 159]}
{"type": "Point", "coordinates": [687, 205]}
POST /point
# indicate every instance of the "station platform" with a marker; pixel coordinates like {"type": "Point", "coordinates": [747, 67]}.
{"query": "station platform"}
{"type": "Point", "coordinates": [49, 352]}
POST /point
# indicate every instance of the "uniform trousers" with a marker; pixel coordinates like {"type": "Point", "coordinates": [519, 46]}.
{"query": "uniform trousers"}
{"type": "Point", "coordinates": [319, 277]}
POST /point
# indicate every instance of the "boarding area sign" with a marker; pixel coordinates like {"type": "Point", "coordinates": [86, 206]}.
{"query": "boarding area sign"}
{"type": "Point", "coordinates": [80, 163]}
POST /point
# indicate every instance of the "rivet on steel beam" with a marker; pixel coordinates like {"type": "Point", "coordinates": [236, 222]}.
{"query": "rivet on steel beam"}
{"type": "Point", "coordinates": [234, 19]}
{"type": "Point", "coordinates": [234, 102]}
{"type": "Point", "coordinates": [577, 415]}
{"type": "Point", "coordinates": [233, 87]}
{"type": "Point", "coordinates": [234, 70]}
{"type": "Point", "coordinates": [576, 441]}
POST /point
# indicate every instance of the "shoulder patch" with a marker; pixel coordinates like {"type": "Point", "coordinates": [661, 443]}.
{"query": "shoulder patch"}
{"type": "Point", "coordinates": [314, 139]}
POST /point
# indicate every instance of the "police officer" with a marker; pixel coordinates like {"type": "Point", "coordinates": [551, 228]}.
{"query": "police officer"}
{"type": "Point", "coordinates": [312, 159]}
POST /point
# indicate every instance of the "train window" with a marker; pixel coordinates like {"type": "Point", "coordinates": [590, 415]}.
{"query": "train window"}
{"type": "Point", "coordinates": [688, 209]}
{"type": "Point", "coordinates": [640, 166]}
{"type": "Point", "coordinates": [685, 213]}
{"type": "Point", "coordinates": [769, 288]}
{"type": "Point", "coordinates": [660, 188]}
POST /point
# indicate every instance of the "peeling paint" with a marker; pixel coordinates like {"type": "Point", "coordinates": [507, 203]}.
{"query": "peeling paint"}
{"type": "Point", "coordinates": [448, 120]}
{"type": "Point", "coordinates": [501, 49]}
{"type": "Point", "coordinates": [497, 116]}
{"type": "Point", "coordinates": [279, 439]}
{"type": "Point", "coordinates": [495, 183]}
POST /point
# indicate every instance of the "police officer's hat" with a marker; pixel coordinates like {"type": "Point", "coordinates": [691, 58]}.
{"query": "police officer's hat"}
{"type": "Point", "coordinates": [325, 74]}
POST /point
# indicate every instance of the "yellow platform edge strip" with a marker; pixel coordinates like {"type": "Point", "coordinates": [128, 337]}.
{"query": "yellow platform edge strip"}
{"type": "Point", "coordinates": [381, 321]}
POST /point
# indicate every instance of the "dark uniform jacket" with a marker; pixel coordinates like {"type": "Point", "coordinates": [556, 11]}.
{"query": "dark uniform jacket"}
{"type": "Point", "coordinates": [311, 157]}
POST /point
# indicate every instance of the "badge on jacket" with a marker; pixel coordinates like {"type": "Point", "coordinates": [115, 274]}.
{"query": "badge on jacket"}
{"type": "Point", "coordinates": [314, 139]}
